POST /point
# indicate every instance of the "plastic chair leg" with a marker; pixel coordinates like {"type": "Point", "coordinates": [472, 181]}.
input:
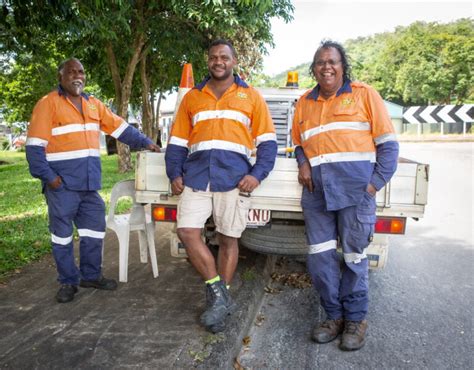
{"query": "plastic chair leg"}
{"type": "Point", "coordinates": [150, 233]}
{"type": "Point", "coordinates": [142, 242]}
{"type": "Point", "coordinates": [124, 239]}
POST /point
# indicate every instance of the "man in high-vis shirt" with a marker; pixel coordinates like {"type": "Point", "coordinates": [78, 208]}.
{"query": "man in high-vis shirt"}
{"type": "Point", "coordinates": [62, 150]}
{"type": "Point", "coordinates": [218, 125]}
{"type": "Point", "coordinates": [346, 150]}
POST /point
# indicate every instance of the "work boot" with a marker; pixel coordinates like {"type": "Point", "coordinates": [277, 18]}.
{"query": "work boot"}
{"type": "Point", "coordinates": [328, 330]}
{"type": "Point", "coordinates": [101, 283]}
{"type": "Point", "coordinates": [220, 326]}
{"type": "Point", "coordinates": [216, 328]}
{"type": "Point", "coordinates": [218, 304]}
{"type": "Point", "coordinates": [66, 293]}
{"type": "Point", "coordinates": [353, 337]}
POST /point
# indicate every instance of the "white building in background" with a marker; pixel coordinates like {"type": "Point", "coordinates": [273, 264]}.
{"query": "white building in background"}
{"type": "Point", "coordinates": [167, 107]}
{"type": "Point", "coordinates": [166, 118]}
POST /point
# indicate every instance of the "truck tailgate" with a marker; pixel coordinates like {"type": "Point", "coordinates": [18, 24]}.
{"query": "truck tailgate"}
{"type": "Point", "coordinates": [406, 195]}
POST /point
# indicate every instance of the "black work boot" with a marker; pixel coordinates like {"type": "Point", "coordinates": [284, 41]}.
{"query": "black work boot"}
{"type": "Point", "coordinates": [66, 293]}
{"type": "Point", "coordinates": [101, 283]}
{"type": "Point", "coordinates": [328, 331]}
{"type": "Point", "coordinates": [220, 326]}
{"type": "Point", "coordinates": [353, 337]}
{"type": "Point", "coordinates": [218, 304]}
{"type": "Point", "coordinates": [216, 328]}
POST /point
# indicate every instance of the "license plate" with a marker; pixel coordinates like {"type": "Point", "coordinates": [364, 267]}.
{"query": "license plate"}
{"type": "Point", "coordinates": [258, 217]}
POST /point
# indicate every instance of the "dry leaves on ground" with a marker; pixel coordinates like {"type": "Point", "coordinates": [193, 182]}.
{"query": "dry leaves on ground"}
{"type": "Point", "coordinates": [298, 280]}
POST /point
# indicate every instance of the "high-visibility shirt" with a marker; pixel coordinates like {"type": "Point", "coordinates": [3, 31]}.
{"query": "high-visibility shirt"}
{"type": "Point", "coordinates": [349, 141]}
{"type": "Point", "coordinates": [62, 141]}
{"type": "Point", "coordinates": [212, 139]}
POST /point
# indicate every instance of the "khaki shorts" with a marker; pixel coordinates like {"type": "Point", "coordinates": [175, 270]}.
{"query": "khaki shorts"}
{"type": "Point", "coordinates": [229, 210]}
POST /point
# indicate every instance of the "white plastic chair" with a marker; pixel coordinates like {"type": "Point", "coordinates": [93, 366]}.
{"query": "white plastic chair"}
{"type": "Point", "coordinates": [137, 220]}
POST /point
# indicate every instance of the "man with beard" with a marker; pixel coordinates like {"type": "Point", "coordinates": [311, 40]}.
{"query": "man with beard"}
{"type": "Point", "coordinates": [62, 150]}
{"type": "Point", "coordinates": [217, 126]}
{"type": "Point", "coordinates": [346, 150]}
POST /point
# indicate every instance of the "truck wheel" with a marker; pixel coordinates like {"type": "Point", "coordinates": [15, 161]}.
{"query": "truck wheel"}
{"type": "Point", "coordinates": [277, 239]}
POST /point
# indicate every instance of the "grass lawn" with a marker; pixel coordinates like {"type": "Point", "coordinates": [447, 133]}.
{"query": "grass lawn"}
{"type": "Point", "coordinates": [24, 234]}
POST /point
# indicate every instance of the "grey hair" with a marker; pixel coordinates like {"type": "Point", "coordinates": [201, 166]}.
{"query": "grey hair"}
{"type": "Point", "coordinates": [64, 62]}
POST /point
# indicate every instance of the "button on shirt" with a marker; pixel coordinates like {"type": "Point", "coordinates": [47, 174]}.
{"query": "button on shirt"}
{"type": "Point", "coordinates": [349, 141]}
{"type": "Point", "coordinates": [212, 139]}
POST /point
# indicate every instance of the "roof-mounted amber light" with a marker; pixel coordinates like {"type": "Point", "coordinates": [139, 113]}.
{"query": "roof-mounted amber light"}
{"type": "Point", "coordinates": [292, 79]}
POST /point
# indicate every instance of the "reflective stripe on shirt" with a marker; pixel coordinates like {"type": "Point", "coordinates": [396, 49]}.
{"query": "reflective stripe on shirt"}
{"type": "Point", "coordinates": [342, 157]}
{"type": "Point", "coordinates": [384, 138]}
{"type": "Point", "coordinates": [178, 141]}
{"type": "Point", "coordinates": [51, 157]}
{"type": "Point", "coordinates": [75, 127]}
{"type": "Point", "coordinates": [265, 137]}
{"type": "Point", "coordinates": [216, 114]}
{"type": "Point", "coordinates": [358, 126]}
{"type": "Point", "coordinates": [220, 144]}
{"type": "Point", "coordinates": [119, 130]}
{"type": "Point", "coordinates": [36, 141]}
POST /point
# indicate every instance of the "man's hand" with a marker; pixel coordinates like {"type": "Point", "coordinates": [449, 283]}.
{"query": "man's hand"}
{"type": "Point", "coordinates": [153, 148]}
{"type": "Point", "coordinates": [248, 184]}
{"type": "Point", "coordinates": [304, 176]}
{"type": "Point", "coordinates": [371, 190]}
{"type": "Point", "coordinates": [177, 186]}
{"type": "Point", "coordinates": [56, 183]}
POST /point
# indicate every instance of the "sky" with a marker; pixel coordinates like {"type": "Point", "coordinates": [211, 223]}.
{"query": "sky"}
{"type": "Point", "coordinates": [341, 20]}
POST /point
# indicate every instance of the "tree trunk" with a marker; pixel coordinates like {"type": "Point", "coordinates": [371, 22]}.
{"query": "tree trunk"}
{"type": "Point", "coordinates": [156, 125]}
{"type": "Point", "coordinates": [147, 114]}
{"type": "Point", "coordinates": [123, 90]}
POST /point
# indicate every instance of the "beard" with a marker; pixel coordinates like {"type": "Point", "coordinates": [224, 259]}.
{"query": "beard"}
{"type": "Point", "coordinates": [220, 76]}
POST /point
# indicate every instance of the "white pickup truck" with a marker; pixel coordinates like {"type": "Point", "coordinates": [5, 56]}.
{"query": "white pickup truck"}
{"type": "Point", "coordinates": [275, 222]}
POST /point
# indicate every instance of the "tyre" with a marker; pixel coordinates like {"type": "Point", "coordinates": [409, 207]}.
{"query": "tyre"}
{"type": "Point", "coordinates": [277, 239]}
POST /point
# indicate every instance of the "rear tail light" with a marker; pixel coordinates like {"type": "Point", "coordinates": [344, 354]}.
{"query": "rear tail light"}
{"type": "Point", "coordinates": [390, 225]}
{"type": "Point", "coordinates": [162, 213]}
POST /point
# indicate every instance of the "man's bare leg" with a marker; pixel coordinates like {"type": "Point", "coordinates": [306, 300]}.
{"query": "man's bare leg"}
{"type": "Point", "coordinates": [198, 252]}
{"type": "Point", "coordinates": [228, 257]}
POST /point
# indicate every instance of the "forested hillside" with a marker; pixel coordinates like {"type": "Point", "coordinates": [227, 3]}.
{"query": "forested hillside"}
{"type": "Point", "coordinates": [424, 63]}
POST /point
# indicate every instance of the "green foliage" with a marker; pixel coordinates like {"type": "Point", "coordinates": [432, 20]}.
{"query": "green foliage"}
{"type": "Point", "coordinates": [424, 63]}
{"type": "Point", "coordinates": [249, 274]}
{"type": "Point", "coordinates": [104, 34]}
{"type": "Point", "coordinates": [23, 212]}
{"type": "Point", "coordinates": [4, 143]}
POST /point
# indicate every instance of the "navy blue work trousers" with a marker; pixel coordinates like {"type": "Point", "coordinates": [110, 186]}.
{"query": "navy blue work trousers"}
{"type": "Point", "coordinates": [85, 210]}
{"type": "Point", "coordinates": [343, 286]}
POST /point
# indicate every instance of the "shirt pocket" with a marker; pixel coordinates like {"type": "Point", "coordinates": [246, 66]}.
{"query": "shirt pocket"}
{"type": "Point", "coordinates": [240, 111]}
{"type": "Point", "coordinates": [345, 114]}
{"type": "Point", "coordinates": [93, 116]}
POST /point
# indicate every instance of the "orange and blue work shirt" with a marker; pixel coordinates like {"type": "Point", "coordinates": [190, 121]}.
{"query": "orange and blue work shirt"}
{"type": "Point", "coordinates": [64, 142]}
{"type": "Point", "coordinates": [349, 141]}
{"type": "Point", "coordinates": [212, 139]}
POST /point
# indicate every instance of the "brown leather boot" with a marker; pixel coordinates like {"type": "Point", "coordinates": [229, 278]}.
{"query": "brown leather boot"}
{"type": "Point", "coordinates": [353, 337]}
{"type": "Point", "coordinates": [328, 331]}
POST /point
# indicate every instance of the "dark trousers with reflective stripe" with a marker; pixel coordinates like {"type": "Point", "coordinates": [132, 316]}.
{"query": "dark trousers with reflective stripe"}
{"type": "Point", "coordinates": [343, 285]}
{"type": "Point", "coordinates": [86, 210]}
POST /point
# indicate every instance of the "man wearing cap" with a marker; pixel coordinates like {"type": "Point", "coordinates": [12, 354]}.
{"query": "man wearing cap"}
{"type": "Point", "coordinates": [346, 151]}
{"type": "Point", "coordinates": [217, 126]}
{"type": "Point", "coordinates": [62, 150]}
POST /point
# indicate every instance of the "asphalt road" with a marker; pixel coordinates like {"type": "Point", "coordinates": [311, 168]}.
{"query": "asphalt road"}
{"type": "Point", "coordinates": [421, 309]}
